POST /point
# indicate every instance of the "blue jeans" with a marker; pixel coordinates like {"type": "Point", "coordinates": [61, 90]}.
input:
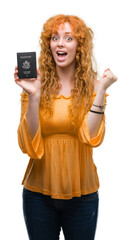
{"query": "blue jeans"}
{"type": "Point", "coordinates": [44, 216]}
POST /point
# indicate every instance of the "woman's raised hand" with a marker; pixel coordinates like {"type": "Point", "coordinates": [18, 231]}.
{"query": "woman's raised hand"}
{"type": "Point", "coordinates": [107, 79]}
{"type": "Point", "coordinates": [30, 85]}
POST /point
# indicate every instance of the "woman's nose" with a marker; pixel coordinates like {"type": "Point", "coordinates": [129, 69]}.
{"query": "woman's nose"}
{"type": "Point", "coordinates": [61, 42]}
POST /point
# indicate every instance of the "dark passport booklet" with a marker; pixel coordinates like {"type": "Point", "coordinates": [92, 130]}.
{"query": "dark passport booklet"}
{"type": "Point", "coordinates": [26, 62]}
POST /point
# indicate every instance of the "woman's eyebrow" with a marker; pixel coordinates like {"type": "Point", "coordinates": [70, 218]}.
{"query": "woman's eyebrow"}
{"type": "Point", "coordinates": [65, 33]}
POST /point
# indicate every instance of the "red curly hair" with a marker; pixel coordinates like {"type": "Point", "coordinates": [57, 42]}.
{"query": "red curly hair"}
{"type": "Point", "coordinates": [84, 73]}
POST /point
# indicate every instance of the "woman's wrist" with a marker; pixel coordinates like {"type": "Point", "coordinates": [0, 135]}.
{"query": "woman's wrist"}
{"type": "Point", "coordinates": [34, 97]}
{"type": "Point", "coordinates": [101, 90]}
{"type": "Point", "coordinates": [99, 104]}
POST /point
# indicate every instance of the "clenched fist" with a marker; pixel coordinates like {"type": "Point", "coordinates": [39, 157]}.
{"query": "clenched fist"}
{"type": "Point", "coordinates": [107, 79]}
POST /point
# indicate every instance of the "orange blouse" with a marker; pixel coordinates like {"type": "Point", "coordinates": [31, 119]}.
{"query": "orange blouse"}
{"type": "Point", "coordinates": [61, 163]}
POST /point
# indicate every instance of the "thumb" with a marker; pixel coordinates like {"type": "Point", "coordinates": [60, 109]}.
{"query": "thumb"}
{"type": "Point", "coordinates": [38, 72]}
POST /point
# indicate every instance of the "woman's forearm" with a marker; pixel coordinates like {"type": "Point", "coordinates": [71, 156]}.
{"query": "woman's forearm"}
{"type": "Point", "coordinates": [32, 115]}
{"type": "Point", "coordinates": [95, 119]}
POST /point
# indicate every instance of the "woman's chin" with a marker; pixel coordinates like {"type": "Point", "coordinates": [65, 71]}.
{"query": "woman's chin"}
{"type": "Point", "coordinates": [65, 64]}
{"type": "Point", "coordinates": [62, 64]}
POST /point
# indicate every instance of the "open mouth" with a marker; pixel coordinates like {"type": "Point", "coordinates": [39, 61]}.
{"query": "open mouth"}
{"type": "Point", "coordinates": [61, 53]}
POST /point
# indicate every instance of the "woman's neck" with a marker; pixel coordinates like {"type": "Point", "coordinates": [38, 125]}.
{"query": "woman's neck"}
{"type": "Point", "coordinates": [66, 75]}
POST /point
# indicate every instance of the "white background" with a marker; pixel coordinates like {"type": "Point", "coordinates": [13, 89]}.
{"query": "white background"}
{"type": "Point", "coordinates": [21, 24]}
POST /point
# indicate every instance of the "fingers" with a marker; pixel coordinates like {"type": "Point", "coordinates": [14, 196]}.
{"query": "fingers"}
{"type": "Point", "coordinates": [104, 76]}
{"type": "Point", "coordinates": [109, 74]}
{"type": "Point", "coordinates": [16, 78]}
{"type": "Point", "coordinates": [106, 71]}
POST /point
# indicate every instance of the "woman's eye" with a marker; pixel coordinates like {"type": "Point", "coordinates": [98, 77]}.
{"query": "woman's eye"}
{"type": "Point", "coordinates": [68, 38]}
{"type": "Point", "coordinates": [54, 38]}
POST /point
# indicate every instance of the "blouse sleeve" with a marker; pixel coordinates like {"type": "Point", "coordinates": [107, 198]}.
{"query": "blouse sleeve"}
{"type": "Point", "coordinates": [35, 147]}
{"type": "Point", "coordinates": [84, 134]}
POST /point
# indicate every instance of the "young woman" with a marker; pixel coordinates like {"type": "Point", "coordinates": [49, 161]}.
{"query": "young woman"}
{"type": "Point", "coordinates": [62, 120]}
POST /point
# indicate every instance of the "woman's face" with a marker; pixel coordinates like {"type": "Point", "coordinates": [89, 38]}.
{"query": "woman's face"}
{"type": "Point", "coordinates": [63, 46]}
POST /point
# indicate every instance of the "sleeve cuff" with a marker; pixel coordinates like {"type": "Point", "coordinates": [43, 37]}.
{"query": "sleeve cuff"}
{"type": "Point", "coordinates": [34, 148]}
{"type": "Point", "coordinates": [84, 134]}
